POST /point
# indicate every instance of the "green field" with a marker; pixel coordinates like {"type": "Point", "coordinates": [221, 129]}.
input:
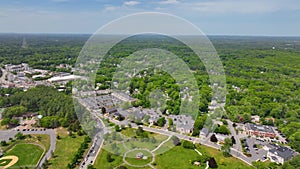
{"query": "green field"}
{"type": "Point", "coordinates": [65, 149]}
{"type": "Point", "coordinates": [176, 158]}
{"type": "Point", "coordinates": [28, 154]}
{"type": "Point", "coordinates": [4, 162]}
{"type": "Point", "coordinates": [101, 162]}
{"type": "Point", "coordinates": [131, 157]}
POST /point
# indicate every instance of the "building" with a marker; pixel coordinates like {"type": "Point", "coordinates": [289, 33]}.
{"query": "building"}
{"type": "Point", "coordinates": [221, 138]}
{"type": "Point", "coordinates": [259, 130]}
{"type": "Point", "coordinates": [183, 123]}
{"type": "Point", "coordinates": [204, 132]}
{"type": "Point", "coordinates": [63, 79]}
{"type": "Point", "coordinates": [280, 154]}
{"type": "Point", "coordinates": [123, 97]}
{"type": "Point", "coordinates": [17, 68]}
{"type": "Point", "coordinates": [255, 119]}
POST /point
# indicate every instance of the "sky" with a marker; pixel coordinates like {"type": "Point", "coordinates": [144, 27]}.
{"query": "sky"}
{"type": "Point", "coordinates": [213, 17]}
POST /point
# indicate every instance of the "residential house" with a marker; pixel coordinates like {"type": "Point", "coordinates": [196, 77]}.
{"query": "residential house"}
{"type": "Point", "coordinates": [183, 123]}
{"type": "Point", "coordinates": [204, 132]}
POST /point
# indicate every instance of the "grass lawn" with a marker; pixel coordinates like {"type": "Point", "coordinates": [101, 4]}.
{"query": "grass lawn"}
{"type": "Point", "coordinates": [224, 162]}
{"type": "Point", "coordinates": [4, 162]}
{"type": "Point", "coordinates": [28, 154]}
{"type": "Point", "coordinates": [131, 157]}
{"type": "Point", "coordinates": [176, 158]}
{"type": "Point", "coordinates": [101, 162]}
{"type": "Point", "coordinates": [65, 149]}
{"type": "Point", "coordinates": [171, 157]}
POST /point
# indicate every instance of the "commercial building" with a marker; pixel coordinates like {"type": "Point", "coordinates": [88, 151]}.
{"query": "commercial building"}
{"type": "Point", "coordinates": [259, 130]}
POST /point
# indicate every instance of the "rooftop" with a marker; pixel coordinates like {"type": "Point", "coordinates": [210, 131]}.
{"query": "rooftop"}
{"type": "Point", "coordinates": [260, 128]}
{"type": "Point", "coordinates": [283, 152]}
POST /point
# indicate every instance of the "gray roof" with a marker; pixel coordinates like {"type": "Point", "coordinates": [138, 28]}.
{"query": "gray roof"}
{"type": "Point", "coordinates": [260, 128]}
{"type": "Point", "coordinates": [205, 131]}
{"type": "Point", "coordinates": [283, 152]}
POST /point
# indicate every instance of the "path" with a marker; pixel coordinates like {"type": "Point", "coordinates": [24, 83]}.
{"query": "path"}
{"type": "Point", "coordinates": [198, 152]}
{"type": "Point", "coordinates": [161, 144]}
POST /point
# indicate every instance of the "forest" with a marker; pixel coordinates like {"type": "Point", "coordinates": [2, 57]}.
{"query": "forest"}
{"type": "Point", "coordinates": [262, 75]}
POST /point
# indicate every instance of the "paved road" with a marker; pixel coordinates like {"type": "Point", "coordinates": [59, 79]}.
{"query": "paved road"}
{"type": "Point", "coordinates": [6, 134]}
{"type": "Point", "coordinates": [238, 144]}
{"type": "Point", "coordinates": [95, 149]}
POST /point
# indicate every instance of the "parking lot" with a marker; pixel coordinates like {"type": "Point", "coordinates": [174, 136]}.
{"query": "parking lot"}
{"type": "Point", "coordinates": [255, 148]}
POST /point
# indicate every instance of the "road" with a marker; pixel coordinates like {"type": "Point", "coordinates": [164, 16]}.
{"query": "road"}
{"type": "Point", "coordinates": [97, 143]}
{"type": "Point", "coordinates": [6, 134]}
{"type": "Point", "coordinates": [237, 138]}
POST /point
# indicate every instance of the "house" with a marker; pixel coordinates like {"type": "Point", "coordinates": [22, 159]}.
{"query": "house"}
{"type": "Point", "coordinates": [183, 123]}
{"type": "Point", "coordinates": [255, 119]}
{"type": "Point", "coordinates": [259, 130]}
{"type": "Point", "coordinates": [280, 154]}
{"type": "Point", "coordinates": [221, 138]}
{"type": "Point", "coordinates": [204, 132]}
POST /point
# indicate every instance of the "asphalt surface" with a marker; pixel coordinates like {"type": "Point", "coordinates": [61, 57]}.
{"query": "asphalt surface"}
{"type": "Point", "coordinates": [97, 143]}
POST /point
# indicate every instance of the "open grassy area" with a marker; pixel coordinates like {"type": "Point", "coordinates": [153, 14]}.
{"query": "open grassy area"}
{"type": "Point", "coordinates": [132, 159]}
{"type": "Point", "coordinates": [224, 162]}
{"type": "Point", "coordinates": [28, 154]}
{"type": "Point", "coordinates": [65, 149]}
{"type": "Point", "coordinates": [166, 157]}
{"type": "Point", "coordinates": [176, 158]}
{"type": "Point", "coordinates": [102, 163]}
{"type": "Point", "coordinates": [4, 162]}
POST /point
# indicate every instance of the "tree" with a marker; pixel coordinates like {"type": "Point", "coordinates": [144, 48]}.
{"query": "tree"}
{"type": "Point", "coordinates": [161, 121]}
{"type": "Point", "coordinates": [176, 141]}
{"type": "Point", "coordinates": [90, 167]}
{"type": "Point", "coordinates": [109, 158]}
{"type": "Point", "coordinates": [3, 143]}
{"type": "Point", "coordinates": [188, 145]}
{"type": "Point", "coordinates": [117, 128]}
{"type": "Point", "coordinates": [19, 136]}
{"type": "Point", "coordinates": [212, 163]}
{"type": "Point", "coordinates": [5, 121]}
{"type": "Point", "coordinates": [233, 140]}
{"type": "Point", "coordinates": [228, 141]}
{"type": "Point", "coordinates": [226, 147]}
{"type": "Point", "coordinates": [170, 122]}
{"type": "Point", "coordinates": [122, 167]}
{"type": "Point", "coordinates": [222, 130]}
{"type": "Point", "coordinates": [213, 138]}
{"type": "Point", "coordinates": [146, 119]}
{"type": "Point", "coordinates": [103, 110]}
{"type": "Point", "coordinates": [292, 164]}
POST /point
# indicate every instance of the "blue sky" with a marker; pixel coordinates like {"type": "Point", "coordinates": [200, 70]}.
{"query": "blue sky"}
{"type": "Point", "coordinates": [213, 17]}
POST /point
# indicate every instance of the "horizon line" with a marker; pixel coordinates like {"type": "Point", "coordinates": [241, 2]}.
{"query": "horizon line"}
{"type": "Point", "coordinates": [77, 33]}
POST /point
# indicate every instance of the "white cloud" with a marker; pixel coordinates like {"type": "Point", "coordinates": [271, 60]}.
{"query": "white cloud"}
{"type": "Point", "coordinates": [111, 8]}
{"type": "Point", "coordinates": [169, 2]}
{"type": "Point", "coordinates": [131, 3]}
{"type": "Point", "coordinates": [240, 6]}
